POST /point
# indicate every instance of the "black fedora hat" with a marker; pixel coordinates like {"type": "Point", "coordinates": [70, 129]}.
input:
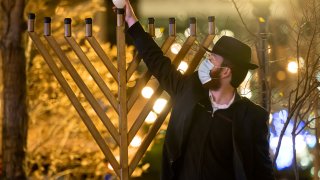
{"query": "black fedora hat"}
{"type": "Point", "coordinates": [235, 51]}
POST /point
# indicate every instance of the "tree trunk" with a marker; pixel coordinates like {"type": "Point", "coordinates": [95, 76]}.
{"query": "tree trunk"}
{"type": "Point", "coordinates": [15, 119]}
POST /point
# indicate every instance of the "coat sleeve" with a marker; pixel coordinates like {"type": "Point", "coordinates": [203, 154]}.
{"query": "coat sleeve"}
{"type": "Point", "coordinates": [159, 65]}
{"type": "Point", "coordinates": [262, 163]}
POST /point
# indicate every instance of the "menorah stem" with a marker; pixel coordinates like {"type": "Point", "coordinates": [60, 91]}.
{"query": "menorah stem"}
{"type": "Point", "coordinates": [122, 79]}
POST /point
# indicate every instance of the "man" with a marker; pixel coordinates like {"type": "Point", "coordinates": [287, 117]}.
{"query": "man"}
{"type": "Point", "coordinates": [213, 132]}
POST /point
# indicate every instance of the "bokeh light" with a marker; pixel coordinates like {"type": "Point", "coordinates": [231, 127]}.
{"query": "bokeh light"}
{"type": "Point", "coordinates": [227, 32]}
{"type": "Point", "coordinates": [246, 92]}
{"type": "Point", "coordinates": [303, 141]}
{"type": "Point", "coordinates": [147, 92]}
{"type": "Point", "coordinates": [245, 86]}
{"type": "Point", "coordinates": [187, 32]}
{"type": "Point", "coordinates": [158, 32]}
{"type": "Point", "coordinates": [300, 144]}
{"type": "Point", "coordinates": [305, 162]}
{"type": "Point", "coordinates": [311, 140]}
{"type": "Point", "coordinates": [109, 165]}
{"type": "Point", "coordinates": [136, 141]}
{"type": "Point", "coordinates": [183, 66]}
{"type": "Point", "coordinates": [281, 75]}
{"type": "Point", "coordinates": [292, 67]}
{"type": "Point", "coordinates": [151, 118]}
{"type": "Point", "coordinates": [159, 105]}
{"type": "Point", "coordinates": [284, 159]}
{"type": "Point", "coordinates": [175, 48]}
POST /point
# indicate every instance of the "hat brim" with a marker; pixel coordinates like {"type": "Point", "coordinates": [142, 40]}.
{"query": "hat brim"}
{"type": "Point", "coordinates": [206, 49]}
{"type": "Point", "coordinates": [246, 65]}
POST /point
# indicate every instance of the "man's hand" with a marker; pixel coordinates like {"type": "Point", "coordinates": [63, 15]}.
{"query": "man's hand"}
{"type": "Point", "coordinates": [130, 17]}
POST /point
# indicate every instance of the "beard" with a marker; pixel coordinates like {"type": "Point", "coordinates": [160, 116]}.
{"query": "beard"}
{"type": "Point", "coordinates": [215, 83]}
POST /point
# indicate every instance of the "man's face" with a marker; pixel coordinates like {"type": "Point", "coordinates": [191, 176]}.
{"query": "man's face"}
{"type": "Point", "coordinates": [215, 82]}
{"type": "Point", "coordinates": [215, 59]}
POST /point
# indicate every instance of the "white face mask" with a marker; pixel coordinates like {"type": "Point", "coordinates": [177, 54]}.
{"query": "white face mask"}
{"type": "Point", "coordinates": [204, 71]}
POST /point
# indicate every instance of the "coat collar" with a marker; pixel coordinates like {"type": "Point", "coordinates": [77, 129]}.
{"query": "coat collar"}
{"type": "Point", "coordinates": [204, 99]}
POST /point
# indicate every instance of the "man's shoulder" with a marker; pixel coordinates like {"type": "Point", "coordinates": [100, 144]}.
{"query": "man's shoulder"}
{"type": "Point", "coordinates": [254, 108]}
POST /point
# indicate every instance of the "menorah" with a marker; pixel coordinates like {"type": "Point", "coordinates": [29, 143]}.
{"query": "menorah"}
{"type": "Point", "coordinates": [122, 104]}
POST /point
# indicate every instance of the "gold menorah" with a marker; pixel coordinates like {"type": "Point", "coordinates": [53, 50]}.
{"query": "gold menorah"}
{"type": "Point", "coordinates": [123, 104]}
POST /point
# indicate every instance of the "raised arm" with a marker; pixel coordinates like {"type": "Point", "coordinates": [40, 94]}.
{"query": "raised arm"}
{"type": "Point", "coordinates": [159, 65]}
{"type": "Point", "coordinates": [130, 17]}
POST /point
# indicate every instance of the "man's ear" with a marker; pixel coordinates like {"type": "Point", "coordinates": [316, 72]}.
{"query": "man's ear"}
{"type": "Point", "coordinates": [226, 72]}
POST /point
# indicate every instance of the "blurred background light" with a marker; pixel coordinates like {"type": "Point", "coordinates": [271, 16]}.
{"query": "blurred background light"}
{"type": "Point", "coordinates": [311, 140]}
{"type": "Point", "coordinates": [159, 105]}
{"type": "Point", "coordinates": [246, 92]}
{"type": "Point", "coordinates": [151, 118]}
{"type": "Point", "coordinates": [318, 78]}
{"type": "Point", "coordinates": [270, 118]}
{"type": "Point", "coordinates": [187, 32]}
{"type": "Point", "coordinates": [292, 67]}
{"type": "Point", "coordinates": [227, 32]}
{"type": "Point", "coordinates": [147, 92]}
{"type": "Point", "coordinates": [109, 165]}
{"type": "Point", "coordinates": [284, 159]}
{"type": "Point", "coordinates": [311, 118]}
{"type": "Point", "coordinates": [158, 32]}
{"type": "Point", "coordinates": [312, 172]}
{"type": "Point", "coordinates": [303, 141]}
{"type": "Point", "coordinates": [175, 48]}
{"type": "Point", "coordinates": [305, 162]}
{"type": "Point", "coordinates": [136, 141]}
{"type": "Point", "coordinates": [281, 75]}
{"type": "Point", "coordinates": [245, 86]}
{"type": "Point", "coordinates": [300, 144]}
{"type": "Point", "coordinates": [183, 66]}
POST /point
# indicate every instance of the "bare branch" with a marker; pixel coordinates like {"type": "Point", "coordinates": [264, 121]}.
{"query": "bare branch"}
{"type": "Point", "coordinates": [307, 123]}
{"type": "Point", "coordinates": [280, 140]}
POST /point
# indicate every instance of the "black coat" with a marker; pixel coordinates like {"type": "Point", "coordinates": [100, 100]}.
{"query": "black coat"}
{"type": "Point", "coordinates": [249, 124]}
